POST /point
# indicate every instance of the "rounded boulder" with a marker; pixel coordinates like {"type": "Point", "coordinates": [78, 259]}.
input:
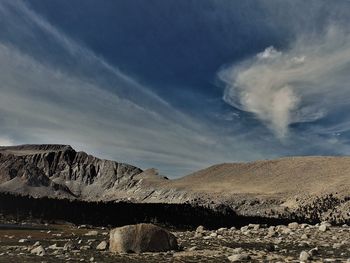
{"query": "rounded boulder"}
{"type": "Point", "coordinates": [141, 238]}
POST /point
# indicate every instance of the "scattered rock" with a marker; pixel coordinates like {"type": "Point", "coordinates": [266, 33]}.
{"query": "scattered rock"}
{"type": "Point", "coordinates": [92, 233]}
{"type": "Point", "coordinates": [198, 234]}
{"type": "Point", "coordinates": [254, 226]}
{"type": "Point", "coordinates": [238, 257]}
{"type": "Point", "coordinates": [293, 225]}
{"type": "Point", "coordinates": [213, 234]}
{"type": "Point", "coordinates": [304, 256]}
{"type": "Point", "coordinates": [313, 252]}
{"type": "Point", "coordinates": [305, 236]}
{"type": "Point", "coordinates": [237, 250]}
{"type": "Point", "coordinates": [323, 228]}
{"type": "Point", "coordinates": [36, 244]}
{"type": "Point", "coordinates": [39, 251]}
{"type": "Point", "coordinates": [200, 229]}
{"type": "Point", "coordinates": [69, 246]}
{"type": "Point", "coordinates": [192, 248]}
{"type": "Point", "coordinates": [221, 230]}
{"type": "Point", "coordinates": [54, 247]}
{"type": "Point", "coordinates": [86, 247]}
{"type": "Point", "coordinates": [102, 246]}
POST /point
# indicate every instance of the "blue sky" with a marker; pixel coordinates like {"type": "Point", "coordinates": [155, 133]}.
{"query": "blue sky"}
{"type": "Point", "coordinates": [177, 85]}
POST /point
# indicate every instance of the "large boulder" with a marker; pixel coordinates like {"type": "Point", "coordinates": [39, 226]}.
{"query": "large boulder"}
{"type": "Point", "coordinates": [141, 238]}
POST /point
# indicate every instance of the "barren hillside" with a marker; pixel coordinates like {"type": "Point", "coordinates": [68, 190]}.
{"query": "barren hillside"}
{"type": "Point", "coordinates": [312, 175]}
{"type": "Point", "coordinates": [309, 187]}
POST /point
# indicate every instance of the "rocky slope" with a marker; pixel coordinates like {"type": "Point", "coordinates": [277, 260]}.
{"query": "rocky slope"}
{"type": "Point", "coordinates": [305, 188]}
{"type": "Point", "coordinates": [60, 171]}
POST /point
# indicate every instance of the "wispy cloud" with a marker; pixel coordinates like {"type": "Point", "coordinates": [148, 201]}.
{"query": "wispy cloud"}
{"type": "Point", "coordinates": [56, 90]}
{"type": "Point", "coordinates": [305, 82]}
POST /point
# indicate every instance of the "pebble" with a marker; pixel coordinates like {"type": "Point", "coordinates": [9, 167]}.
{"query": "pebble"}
{"type": "Point", "coordinates": [238, 257]}
{"type": "Point", "coordinates": [102, 246]}
{"type": "Point", "coordinates": [92, 233]}
{"type": "Point", "coordinates": [304, 256]}
{"type": "Point", "coordinates": [39, 251]}
{"type": "Point", "coordinates": [323, 228]}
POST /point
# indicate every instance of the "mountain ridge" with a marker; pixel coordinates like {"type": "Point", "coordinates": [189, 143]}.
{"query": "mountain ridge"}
{"type": "Point", "coordinates": [281, 188]}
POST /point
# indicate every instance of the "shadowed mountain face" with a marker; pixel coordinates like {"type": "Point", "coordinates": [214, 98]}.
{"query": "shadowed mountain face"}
{"type": "Point", "coordinates": [314, 188]}
{"type": "Point", "coordinates": [60, 171]}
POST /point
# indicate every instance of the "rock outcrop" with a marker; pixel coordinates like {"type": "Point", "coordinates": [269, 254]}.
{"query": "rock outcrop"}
{"type": "Point", "coordinates": [60, 171]}
{"type": "Point", "coordinates": [141, 238]}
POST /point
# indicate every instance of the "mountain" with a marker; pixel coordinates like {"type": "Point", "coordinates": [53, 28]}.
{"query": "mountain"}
{"type": "Point", "coordinates": [60, 171]}
{"type": "Point", "coordinates": [314, 188]}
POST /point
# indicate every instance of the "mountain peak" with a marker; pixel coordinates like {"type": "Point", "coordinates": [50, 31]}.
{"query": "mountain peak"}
{"type": "Point", "coordinates": [34, 148]}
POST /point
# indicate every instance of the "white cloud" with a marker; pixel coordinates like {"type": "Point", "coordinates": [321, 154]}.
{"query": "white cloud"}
{"type": "Point", "coordinates": [303, 83]}
{"type": "Point", "coordinates": [269, 53]}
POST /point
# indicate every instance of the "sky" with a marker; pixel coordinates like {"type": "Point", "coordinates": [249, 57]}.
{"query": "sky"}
{"type": "Point", "coordinates": [177, 85]}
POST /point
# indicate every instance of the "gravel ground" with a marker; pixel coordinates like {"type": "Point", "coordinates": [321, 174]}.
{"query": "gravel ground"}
{"type": "Point", "coordinates": [252, 243]}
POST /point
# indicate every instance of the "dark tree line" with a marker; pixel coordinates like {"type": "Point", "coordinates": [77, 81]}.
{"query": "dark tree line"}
{"type": "Point", "coordinates": [185, 216]}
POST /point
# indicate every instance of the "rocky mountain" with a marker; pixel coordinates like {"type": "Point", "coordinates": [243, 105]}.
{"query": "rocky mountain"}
{"type": "Point", "coordinates": [60, 171]}
{"type": "Point", "coordinates": [312, 188]}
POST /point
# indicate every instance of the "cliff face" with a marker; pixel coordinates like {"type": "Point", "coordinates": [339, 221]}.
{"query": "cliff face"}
{"type": "Point", "coordinates": [58, 170]}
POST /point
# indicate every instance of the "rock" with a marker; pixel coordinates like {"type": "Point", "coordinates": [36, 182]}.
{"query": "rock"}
{"type": "Point", "coordinates": [69, 246]}
{"type": "Point", "coordinates": [244, 228]}
{"type": "Point", "coordinates": [304, 256]}
{"type": "Point", "coordinates": [23, 240]}
{"type": "Point", "coordinates": [141, 238]}
{"type": "Point", "coordinates": [86, 247]}
{"type": "Point", "coordinates": [92, 233]}
{"type": "Point", "coordinates": [337, 245]}
{"type": "Point", "coordinates": [213, 234]}
{"type": "Point", "coordinates": [198, 234]}
{"type": "Point", "coordinates": [313, 252]}
{"type": "Point", "coordinates": [323, 228]}
{"type": "Point", "coordinates": [286, 231]}
{"type": "Point", "coordinates": [254, 226]}
{"type": "Point", "coordinates": [326, 223]}
{"type": "Point", "coordinates": [272, 234]}
{"type": "Point", "coordinates": [238, 257]}
{"type": "Point", "coordinates": [39, 251]}
{"type": "Point", "coordinates": [305, 236]}
{"type": "Point", "coordinates": [303, 226]}
{"type": "Point", "coordinates": [36, 244]}
{"type": "Point", "coordinates": [102, 246]}
{"type": "Point", "coordinates": [221, 230]}
{"type": "Point", "coordinates": [237, 250]}
{"type": "Point", "coordinates": [192, 248]}
{"type": "Point", "coordinates": [200, 229]}
{"type": "Point", "coordinates": [34, 165]}
{"type": "Point", "coordinates": [54, 247]}
{"type": "Point", "coordinates": [293, 225]}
